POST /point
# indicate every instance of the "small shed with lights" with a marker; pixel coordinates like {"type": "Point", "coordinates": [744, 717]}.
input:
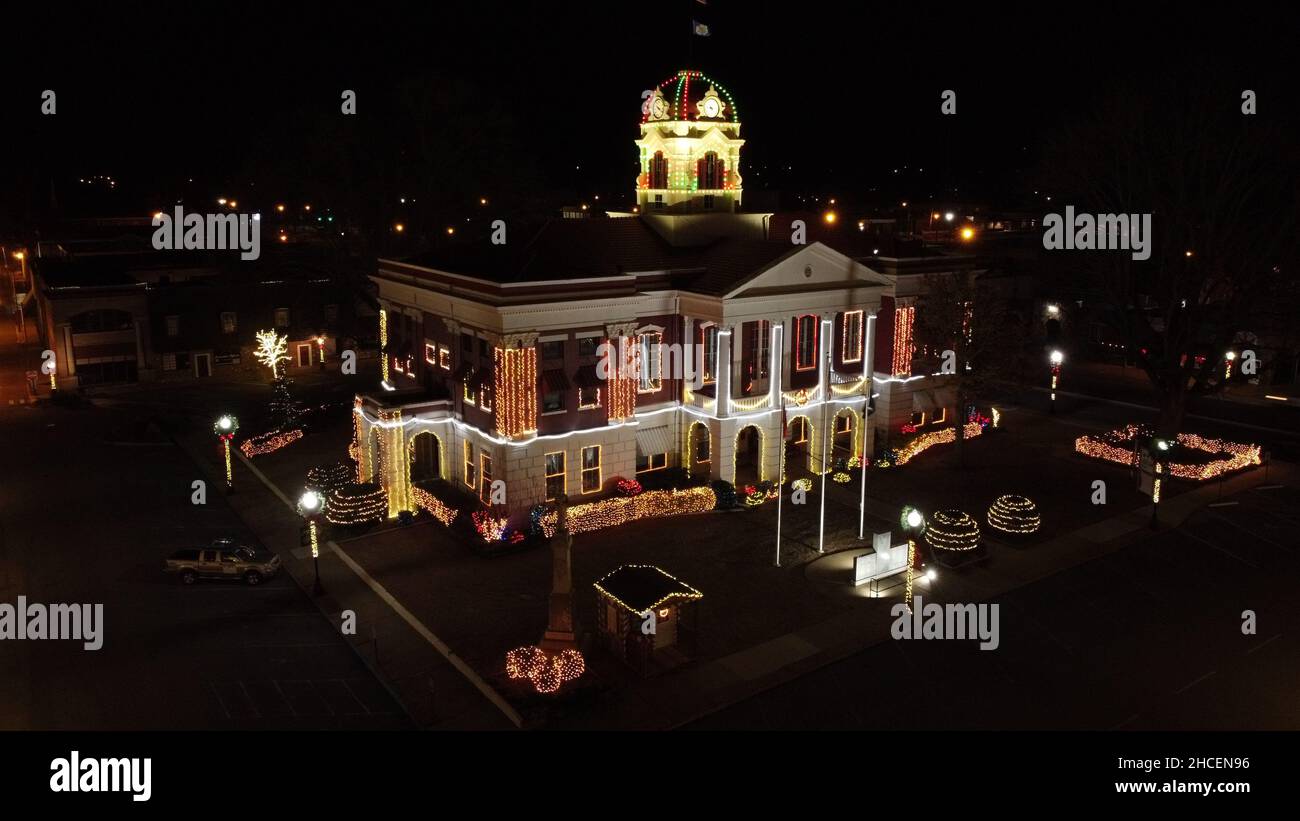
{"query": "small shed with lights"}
{"type": "Point", "coordinates": [647, 617]}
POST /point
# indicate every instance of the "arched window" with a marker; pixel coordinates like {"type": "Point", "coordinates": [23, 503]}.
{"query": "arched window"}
{"type": "Point", "coordinates": [658, 170]}
{"type": "Point", "coordinates": [711, 171]}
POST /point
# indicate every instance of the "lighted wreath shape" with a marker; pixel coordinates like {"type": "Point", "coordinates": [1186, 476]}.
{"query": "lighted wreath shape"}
{"type": "Point", "coordinates": [547, 673]}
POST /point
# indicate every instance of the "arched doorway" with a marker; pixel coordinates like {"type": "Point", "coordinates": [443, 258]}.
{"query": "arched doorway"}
{"type": "Point", "coordinates": [699, 453]}
{"type": "Point", "coordinates": [798, 447]}
{"type": "Point", "coordinates": [425, 457]}
{"type": "Point", "coordinates": [748, 456]}
{"type": "Point", "coordinates": [844, 434]}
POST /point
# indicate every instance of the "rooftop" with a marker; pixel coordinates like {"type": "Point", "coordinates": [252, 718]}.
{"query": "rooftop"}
{"type": "Point", "coordinates": [641, 587]}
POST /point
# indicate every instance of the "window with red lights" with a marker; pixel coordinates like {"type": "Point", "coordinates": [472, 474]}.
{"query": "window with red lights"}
{"type": "Point", "coordinates": [851, 336]}
{"type": "Point", "coordinates": [658, 170]}
{"type": "Point", "coordinates": [805, 348]}
{"type": "Point", "coordinates": [711, 171]}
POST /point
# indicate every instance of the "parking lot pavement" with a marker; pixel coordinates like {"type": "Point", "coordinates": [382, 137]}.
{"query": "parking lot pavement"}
{"type": "Point", "coordinates": [89, 521]}
{"type": "Point", "coordinates": [1148, 637]}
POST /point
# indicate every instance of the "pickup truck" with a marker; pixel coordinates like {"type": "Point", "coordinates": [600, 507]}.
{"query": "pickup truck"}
{"type": "Point", "coordinates": [222, 560]}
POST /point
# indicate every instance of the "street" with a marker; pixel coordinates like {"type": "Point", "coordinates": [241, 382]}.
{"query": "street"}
{"type": "Point", "coordinates": [83, 519]}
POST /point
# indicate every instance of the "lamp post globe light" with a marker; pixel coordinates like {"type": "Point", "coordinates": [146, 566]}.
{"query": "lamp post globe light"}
{"type": "Point", "coordinates": [311, 505]}
{"type": "Point", "coordinates": [225, 428]}
{"type": "Point", "coordinates": [1056, 357]}
{"type": "Point", "coordinates": [913, 522]}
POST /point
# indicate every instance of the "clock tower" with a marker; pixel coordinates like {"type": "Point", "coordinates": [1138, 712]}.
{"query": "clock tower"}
{"type": "Point", "coordinates": [689, 147]}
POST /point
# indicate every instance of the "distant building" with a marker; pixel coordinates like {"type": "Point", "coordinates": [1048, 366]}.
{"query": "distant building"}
{"type": "Point", "coordinates": [118, 314]}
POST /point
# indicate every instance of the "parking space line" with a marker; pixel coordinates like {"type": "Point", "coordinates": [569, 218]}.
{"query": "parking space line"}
{"type": "Point", "coordinates": [1190, 685]}
{"type": "Point", "coordinates": [354, 695]}
{"type": "Point", "coordinates": [284, 698]}
{"type": "Point", "coordinates": [1270, 640]}
{"type": "Point", "coordinates": [251, 703]}
{"type": "Point", "coordinates": [220, 702]}
{"type": "Point", "coordinates": [1223, 550]}
{"type": "Point", "coordinates": [1240, 526]}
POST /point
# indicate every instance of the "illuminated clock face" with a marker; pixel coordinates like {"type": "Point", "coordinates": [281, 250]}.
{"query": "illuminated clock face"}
{"type": "Point", "coordinates": [712, 107]}
{"type": "Point", "coordinates": [659, 108]}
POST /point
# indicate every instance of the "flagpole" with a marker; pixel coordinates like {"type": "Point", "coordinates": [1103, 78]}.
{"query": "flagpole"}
{"type": "Point", "coordinates": [866, 412]}
{"type": "Point", "coordinates": [824, 390]}
{"type": "Point", "coordinates": [777, 364]}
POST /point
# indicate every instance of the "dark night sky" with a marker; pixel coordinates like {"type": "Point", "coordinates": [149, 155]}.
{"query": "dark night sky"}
{"type": "Point", "coordinates": [844, 93]}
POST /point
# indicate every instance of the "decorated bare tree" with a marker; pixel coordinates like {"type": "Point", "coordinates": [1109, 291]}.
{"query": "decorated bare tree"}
{"type": "Point", "coordinates": [964, 326]}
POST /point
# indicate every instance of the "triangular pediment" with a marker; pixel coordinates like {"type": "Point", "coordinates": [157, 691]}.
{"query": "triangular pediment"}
{"type": "Point", "coordinates": [813, 267]}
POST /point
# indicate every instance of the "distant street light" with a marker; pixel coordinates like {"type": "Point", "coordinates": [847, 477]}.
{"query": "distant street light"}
{"type": "Point", "coordinates": [1056, 358]}
{"type": "Point", "coordinates": [829, 217]}
{"type": "Point", "coordinates": [225, 429]}
{"type": "Point", "coordinates": [311, 505]}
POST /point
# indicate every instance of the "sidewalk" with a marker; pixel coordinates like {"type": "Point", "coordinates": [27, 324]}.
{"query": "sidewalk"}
{"type": "Point", "coordinates": [433, 691]}
{"type": "Point", "coordinates": [672, 701]}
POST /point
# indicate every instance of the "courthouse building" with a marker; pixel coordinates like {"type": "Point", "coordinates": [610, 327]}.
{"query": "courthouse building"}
{"type": "Point", "coordinates": [492, 353]}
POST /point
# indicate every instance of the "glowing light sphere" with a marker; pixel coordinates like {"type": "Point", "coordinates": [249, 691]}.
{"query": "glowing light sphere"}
{"type": "Point", "coordinates": [952, 530]}
{"type": "Point", "coordinates": [1014, 514]}
{"type": "Point", "coordinates": [912, 518]}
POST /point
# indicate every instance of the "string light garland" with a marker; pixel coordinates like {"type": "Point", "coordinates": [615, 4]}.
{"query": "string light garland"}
{"type": "Point", "coordinates": [434, 506]}
{"type": "Point", "coordinates": [688, 593]}
{"type": "Point", "coordinates": [1014, 514]}
{"type": "Point", "coordinates": [225, 428]}
{"type": "Point", "coordinates": [358, 436]}
{"type": "Point", "coordinates": [516, 391]}
{"type": "Point", "coordinates": [623, 509]}
{"type": "Point", "coordinates": [356, 503]}
{"type": "Point", "coordinates": [904, 320]}
{"type": "Point", "coordinates": [624, 378]}
{"type": "Point", "coordinates": [547, 673]}
{"type": "Point", "coordinates": [1118, 446]}
{"type": "Point", "coordinates": [952, 530]}
{"type": "Point", "coordinates": [383, 345]}
{"type": "Point", "coordinates": [490, 528]}
{"type": "Point", "coordinates": [755, 495]}
{"type": "Point", "coordinates": [928, 440]}
{"type": "Point", "coordinates": [324, 478]}
{"type": "Point", "coordinates": [265, 443]}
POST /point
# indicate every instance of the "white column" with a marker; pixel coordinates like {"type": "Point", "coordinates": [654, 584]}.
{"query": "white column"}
{"type": "Point", "coordinates": [738, 358]}
{"type": "Point", "coordinates": [688, 356]}
{"type": "Point", "coordinates": [722, 407]}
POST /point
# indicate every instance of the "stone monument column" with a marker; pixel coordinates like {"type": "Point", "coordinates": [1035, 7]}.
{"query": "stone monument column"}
{"type": "Point", "coordinates": [559, 629]}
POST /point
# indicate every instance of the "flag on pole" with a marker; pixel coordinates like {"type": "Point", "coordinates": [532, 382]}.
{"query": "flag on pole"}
{"type": "Point", "coordinates": [699, 29]}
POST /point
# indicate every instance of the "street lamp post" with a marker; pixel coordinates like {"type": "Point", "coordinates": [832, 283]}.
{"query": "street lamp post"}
{"type": "Point", "coordinates": [1056, 358]}
{"type": "Point", "coordinates": [311, 505]}
{"type": "Point", "coordinates": [1158, 448]}
{"type": "Point", "coordinates": [913, 525]}
{"type": "Point", "coordinates": [225, 429]}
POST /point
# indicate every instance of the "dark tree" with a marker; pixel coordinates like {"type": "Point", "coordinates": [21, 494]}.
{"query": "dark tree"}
{"type": "Point", "coordinates": [969, 316]}
{"type": "Point", "coordinates": [1221, 188]}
